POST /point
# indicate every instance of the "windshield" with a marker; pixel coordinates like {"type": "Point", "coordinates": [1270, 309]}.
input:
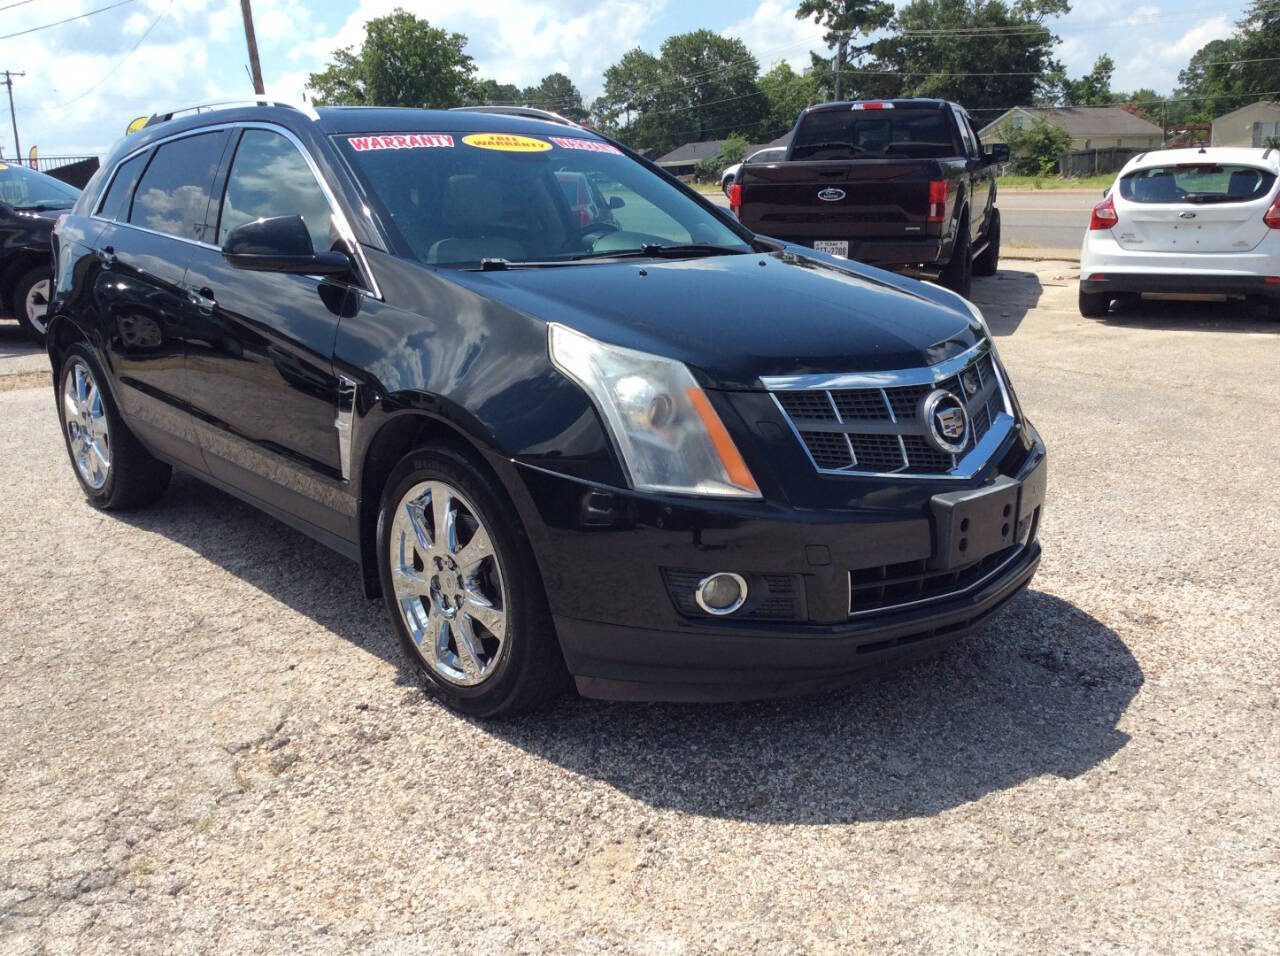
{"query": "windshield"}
{"type": "Point", "coordinates": [460, 198]}
{"type": "Point", "coordinates": [25, 188]}
{"type": "Point", "coordinates": [1197, 182]}
{"type": "Point", "coordinates": [876, 134]}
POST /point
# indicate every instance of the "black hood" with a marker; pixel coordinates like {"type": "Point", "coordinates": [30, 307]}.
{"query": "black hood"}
{"type": "Point", "coordinates": [734, 318]}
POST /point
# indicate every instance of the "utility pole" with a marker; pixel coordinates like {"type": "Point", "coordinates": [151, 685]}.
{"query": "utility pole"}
{"type": "Point", "coordinates": [254, 66]}
{"type": "Point", "coordinates": [841, 47]}
{"type": "Point", "coordinates": [8, 81]}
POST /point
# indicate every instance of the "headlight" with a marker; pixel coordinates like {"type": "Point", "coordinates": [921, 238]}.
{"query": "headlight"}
{"type": "Point", "coordinates": [668, 435]}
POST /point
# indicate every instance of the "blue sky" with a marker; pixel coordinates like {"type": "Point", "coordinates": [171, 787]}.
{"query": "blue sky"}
{"type": "Point", "coordinates": [85, 80]}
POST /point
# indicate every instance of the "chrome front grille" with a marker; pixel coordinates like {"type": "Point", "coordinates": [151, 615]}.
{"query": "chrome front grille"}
{"type": "Point", "coordinates": [871, 423]}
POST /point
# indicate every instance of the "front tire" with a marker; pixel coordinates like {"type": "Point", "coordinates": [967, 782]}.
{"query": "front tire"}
{"type": "Point", "coordinates": [957, 275]}
{"type": "Point", "coordinates": [30, 302]}
{"type": "Point", "coordinates": [462, 587]}
{"type": "Point", "coordinates": [987, 263]}
{"type": "Point", "coordinates": [114, 470]}
{"type": "Point", "coordinates": [1094, 304]}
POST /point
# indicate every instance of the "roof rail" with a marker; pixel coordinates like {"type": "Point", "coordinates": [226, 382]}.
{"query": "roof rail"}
{"type": "Point", "coordinates": [529, 112]}
{"type": "Point", "coordinates": [306, 110]}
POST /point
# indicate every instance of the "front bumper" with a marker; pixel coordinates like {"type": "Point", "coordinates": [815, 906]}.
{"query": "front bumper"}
{"type": "Point", "coordinates": [605, 554]}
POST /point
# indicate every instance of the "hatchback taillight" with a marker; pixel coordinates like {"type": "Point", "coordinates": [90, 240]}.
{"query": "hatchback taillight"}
{"type": "Point", "coordinates": [1104, 215]}
{"type": "Point", "coordinates": [937, 200]}
{"type": "Point", "coordinates": [1272, 216]}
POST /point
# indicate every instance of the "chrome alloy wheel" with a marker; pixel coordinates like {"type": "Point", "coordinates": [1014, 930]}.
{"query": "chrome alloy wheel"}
{"type": "Point", "coordinates": [38, 305]}
{"type": "Point", "coordinates": [448, 583]}
{"type": "Point", "coordinates": [85, 418]}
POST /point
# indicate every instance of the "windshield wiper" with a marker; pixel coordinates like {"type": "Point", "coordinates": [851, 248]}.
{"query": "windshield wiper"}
{"type": "Point", "coordinates": [1204, 198]}
{"type": "Point", "coordinates": [680, 249]}
{"type": "Point", "coordinates": [46, 206]}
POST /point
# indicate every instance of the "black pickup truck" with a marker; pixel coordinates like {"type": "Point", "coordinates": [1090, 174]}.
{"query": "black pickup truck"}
{"type": "Point", "coordinates": [902, 184]}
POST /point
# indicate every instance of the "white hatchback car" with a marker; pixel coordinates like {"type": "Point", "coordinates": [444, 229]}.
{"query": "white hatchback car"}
{"type": "Point", "coordinates": [1186, 221]}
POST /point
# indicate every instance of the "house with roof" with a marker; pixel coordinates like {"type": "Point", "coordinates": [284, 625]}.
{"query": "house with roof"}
{"type": "Point", "coordinates": [1090, 127]}
{"type": "Point", "coordinates": [1250, 125]}
{"type": "Point", "coordinates": [682, 160]}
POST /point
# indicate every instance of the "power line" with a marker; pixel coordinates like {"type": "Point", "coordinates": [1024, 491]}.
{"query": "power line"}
{"type": "Point", "coordinates": [10, 6]}
{"type": "Point", "coordinates": [146, 33]}
{"type": "Point", "coordinates": [58, 23]}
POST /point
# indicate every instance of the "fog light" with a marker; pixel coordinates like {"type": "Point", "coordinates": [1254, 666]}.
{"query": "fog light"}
{"type": "Point", "coordinates": [721, 593]}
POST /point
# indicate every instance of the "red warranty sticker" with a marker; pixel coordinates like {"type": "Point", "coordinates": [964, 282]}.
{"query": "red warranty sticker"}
{"type": "Point", "coordinates": [590, 145]}
{"type": "Point", "coordinates": [407, 141]}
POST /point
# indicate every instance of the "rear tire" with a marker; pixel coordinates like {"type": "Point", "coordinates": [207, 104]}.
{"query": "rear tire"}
{"type": "Point", "coordinates": [477, 629]}
{"type": "Point", "coordinates": [987, 263]}
{"type": "Point", "coordinates": [1094, 304]}
{"type": "Point", "coordinates": [957, 275]}
{"type": "Point", "coordinates": [114, 470]}
{"type": "Point", "coordinates": [31, 302]}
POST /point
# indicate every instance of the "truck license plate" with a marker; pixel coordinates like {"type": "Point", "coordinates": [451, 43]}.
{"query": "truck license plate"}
{"type": "Point", "coordinates": [835, 247]}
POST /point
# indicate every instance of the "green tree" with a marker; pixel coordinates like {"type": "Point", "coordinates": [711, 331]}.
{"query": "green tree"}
{"type": "Point", "coordinates": [699, 87]}
{"type": "Point", "coordinates": [404, 61]}
{"type": "Point", "coordinates": [787, 93]}
{"type": "Point", "coordinates": [1092, 89]}
{"type": "Point", "coordinates": [1259, 38]}
{"type": "Point", "coordinates": [1144, 102]}
{"type": "Point", "coordinates": [1207, 86]}
{"type": "Point", "coordinates": [1034, 149]}
{"type": "Point", "coordinates": [1008, 39]}
{"type": "Point", "coordinates": [844, 21]}
{"type": "Point", "coordinates": [491, 92]}
{"type": "Point", "coordinates": [557, 93]}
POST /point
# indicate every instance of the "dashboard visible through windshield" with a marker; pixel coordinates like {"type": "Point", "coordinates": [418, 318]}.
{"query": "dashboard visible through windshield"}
{"type": "Point", "coordinates": [461, 199]}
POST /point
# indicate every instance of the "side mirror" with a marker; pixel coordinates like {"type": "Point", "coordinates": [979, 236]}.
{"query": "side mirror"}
{"type": "Point", "coordinates": [280, 244]}
{"type": "Point", "coordinates": [616, 202]}
{"type": "Point", "coordinates": [999, 153]}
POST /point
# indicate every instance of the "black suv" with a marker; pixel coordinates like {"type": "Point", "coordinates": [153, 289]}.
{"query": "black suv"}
{"type": "Point", "coordinates": [661, 454]}
{"type": "Point", "coordinates": [30, 202]}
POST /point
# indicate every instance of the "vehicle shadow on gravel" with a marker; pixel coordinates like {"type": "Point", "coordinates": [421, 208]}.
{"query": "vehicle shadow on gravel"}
{"type": "Point", "coordinates": [1176, 315]}
{"type": "Point", "coordinates": [1006, 298]}
{"type": "Point", "coordinates": [1039, 691]}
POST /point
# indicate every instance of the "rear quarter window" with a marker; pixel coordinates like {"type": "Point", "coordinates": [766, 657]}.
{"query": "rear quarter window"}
{"type": "Point", "coordinates": [115, 204]}
{"type": "Point", "coordinates": [1197, 183]}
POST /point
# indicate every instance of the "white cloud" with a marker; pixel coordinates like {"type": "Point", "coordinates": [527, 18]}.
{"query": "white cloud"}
{"type": "Point", "coordinates": [773, 34]}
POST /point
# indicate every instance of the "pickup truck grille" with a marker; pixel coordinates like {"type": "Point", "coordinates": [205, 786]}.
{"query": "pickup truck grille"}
{"type": "Point", "coordinates": [878, 429]}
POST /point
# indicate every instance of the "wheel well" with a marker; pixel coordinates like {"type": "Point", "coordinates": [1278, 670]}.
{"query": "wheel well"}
{"type": "Point", "coordinates": [393, 441]}
{"type": "Point", "coordinates": [62, 335]}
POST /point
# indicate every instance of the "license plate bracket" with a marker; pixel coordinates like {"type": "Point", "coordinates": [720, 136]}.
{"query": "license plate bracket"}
{"type": "Point", "coordinates": [834, 247]}
{"type": "Point", "coordinates": [972, 524]}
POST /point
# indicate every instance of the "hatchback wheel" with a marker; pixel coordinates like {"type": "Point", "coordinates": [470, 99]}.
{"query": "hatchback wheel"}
{"type": "Point", "coordinates": [462, 587]}
{"type": "Point", "coordinates": [31, 302]}
{"type": "Point", "coordinates": [1093, 304]}
{"type": "Point", "coordinates": [113, 468]}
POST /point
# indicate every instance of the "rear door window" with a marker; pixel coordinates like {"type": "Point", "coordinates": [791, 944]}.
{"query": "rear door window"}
{"type": "Point", "coordinates": [1197, 183]}
{"type": "Point", "coordinates": [173, 194]}
{"type": "Point", "coordinates": [270, 178]}
{"type": "Point", "coordinates": [874, 134]}
{"type": "Point", "coordinates": [115, 205]}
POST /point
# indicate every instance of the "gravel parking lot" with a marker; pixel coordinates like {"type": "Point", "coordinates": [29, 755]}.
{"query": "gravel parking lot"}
{"type": "Point", "coordinates": [210, 740]}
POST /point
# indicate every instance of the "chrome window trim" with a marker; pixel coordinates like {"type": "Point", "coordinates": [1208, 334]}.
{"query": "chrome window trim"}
{"type": "Point", "coordinates": [890, 608]}
{"type": "Point", "coordinates": [925, 375]}
{"type": "Point", "coordinates": [370, 287]}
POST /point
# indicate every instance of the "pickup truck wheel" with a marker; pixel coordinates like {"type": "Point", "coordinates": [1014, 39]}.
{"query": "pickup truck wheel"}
{"type": "Point", "coordinates": [957, 275]}
{"type": "Point", "coordinates": [1093, 304]}
{"type": "Point", "coordinates": [987, 263]}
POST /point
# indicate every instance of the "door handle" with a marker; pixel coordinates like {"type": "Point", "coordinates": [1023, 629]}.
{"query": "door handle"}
{"type": "Point", "coordinates": [203, 300]}
{"type": "Point", "coordinates": [107, 255]}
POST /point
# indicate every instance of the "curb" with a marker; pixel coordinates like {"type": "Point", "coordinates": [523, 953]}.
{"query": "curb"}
{"type": "Point", "coordinates": [1065, 255]}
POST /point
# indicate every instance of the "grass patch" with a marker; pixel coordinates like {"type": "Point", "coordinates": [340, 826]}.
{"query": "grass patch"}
{"type": "Point", "coordinates": [1099, 182]}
